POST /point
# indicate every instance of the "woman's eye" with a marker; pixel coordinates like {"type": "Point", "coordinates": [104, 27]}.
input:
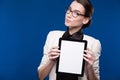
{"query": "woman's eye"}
{"type": "Point", "coordinates": [78, 13]}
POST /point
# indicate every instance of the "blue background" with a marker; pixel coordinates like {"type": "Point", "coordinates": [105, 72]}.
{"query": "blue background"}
{"type": "Point", "coordinates": [24, 25]}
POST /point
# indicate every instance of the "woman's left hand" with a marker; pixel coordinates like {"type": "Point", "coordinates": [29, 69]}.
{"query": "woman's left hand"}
{"type": "Point", "coordinates": [89, 57]}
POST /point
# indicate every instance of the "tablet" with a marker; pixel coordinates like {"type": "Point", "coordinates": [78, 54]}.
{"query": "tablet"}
{"type": "Point", "coordinates": [71, 59]}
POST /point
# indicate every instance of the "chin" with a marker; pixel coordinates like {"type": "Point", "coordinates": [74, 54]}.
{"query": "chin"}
{"type": "Point", "coordinates": [67, 24]}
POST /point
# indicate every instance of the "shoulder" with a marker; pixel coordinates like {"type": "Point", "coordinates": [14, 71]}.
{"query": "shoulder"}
{"type": "Point", "coordinates": [90, 38]}
{"type": "Point", "coordinates": [55, 33]}
{"type": "Point", "coordinates": [53, 36]}
{"type": "Point", "coordinates": [93, 43]}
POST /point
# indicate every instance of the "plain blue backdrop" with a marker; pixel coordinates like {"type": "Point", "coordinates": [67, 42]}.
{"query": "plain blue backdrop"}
{"type": "Point", "coordinates": [24, 25]}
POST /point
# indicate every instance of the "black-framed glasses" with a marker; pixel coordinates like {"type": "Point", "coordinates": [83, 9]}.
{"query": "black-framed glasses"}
{"type": "Point", "coordinates": [75, 13]}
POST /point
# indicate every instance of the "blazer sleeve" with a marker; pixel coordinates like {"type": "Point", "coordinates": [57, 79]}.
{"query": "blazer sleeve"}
{"type": "Point", "coordinates": [96, 47]}
{"type": "Point", "coordinates": [45, 51]}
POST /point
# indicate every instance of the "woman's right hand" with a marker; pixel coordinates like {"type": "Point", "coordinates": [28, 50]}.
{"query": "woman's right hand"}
{"type": "Point", "coordinates": [54, 53]}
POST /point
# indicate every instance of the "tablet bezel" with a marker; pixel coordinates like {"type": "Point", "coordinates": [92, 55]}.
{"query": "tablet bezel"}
{"type": "Point", "coordinates": [83, 63]}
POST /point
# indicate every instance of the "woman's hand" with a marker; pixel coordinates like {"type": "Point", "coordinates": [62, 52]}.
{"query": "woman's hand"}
{"type": "Point", "coordinates": [54, 53]}
{"type": "Point", "coordinates": [89, 57]}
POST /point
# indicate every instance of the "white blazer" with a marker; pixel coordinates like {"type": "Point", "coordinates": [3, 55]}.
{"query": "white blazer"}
{"type": "Point", "coordinates": [53, 39]}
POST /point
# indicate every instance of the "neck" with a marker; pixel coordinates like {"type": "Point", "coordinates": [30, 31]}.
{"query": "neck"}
{"type": "Point", "coordinates": [73, 30]}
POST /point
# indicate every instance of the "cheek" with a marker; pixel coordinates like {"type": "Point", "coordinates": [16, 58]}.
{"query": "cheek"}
{"type": "Point", "coordinates": [73, 22]}
{"type": "Point", "coordinates": [77, 22]}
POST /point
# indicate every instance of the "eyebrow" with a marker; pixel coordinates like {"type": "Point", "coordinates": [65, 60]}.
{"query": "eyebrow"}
{"type": "Point", "coordinates": [74, 10]}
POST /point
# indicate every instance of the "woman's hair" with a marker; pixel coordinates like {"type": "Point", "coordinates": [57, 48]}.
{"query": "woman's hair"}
{"type": "Point", "coordinates": [89, 10]}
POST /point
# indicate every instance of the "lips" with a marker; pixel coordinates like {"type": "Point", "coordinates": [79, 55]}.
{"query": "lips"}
{"type": "Point", "coordinates": [67, 20]}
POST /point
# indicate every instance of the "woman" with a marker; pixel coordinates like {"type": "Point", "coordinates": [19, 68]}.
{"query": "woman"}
{"type": "Point", "coordinates": [78, 17]}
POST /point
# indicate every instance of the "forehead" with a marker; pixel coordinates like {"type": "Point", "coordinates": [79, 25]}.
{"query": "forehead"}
{"type": "Point", "coordinates": [77, 6]}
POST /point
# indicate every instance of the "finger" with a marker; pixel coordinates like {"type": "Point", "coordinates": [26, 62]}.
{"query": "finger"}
{"type": "Point", "coordinates": [86, 59]}
{"type": "Point", "coordinates": [53, 57]}
{"type": "Point", "coordinates": [55, 47]}
{"type": "Point", "coordinates": [87, 55]}
{"type": "Point", "coordinates": [87, 51]}
{"type": "Point", "coordinates": [54, 51]}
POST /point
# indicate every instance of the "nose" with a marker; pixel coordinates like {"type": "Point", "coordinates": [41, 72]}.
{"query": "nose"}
{"type": "Point", "coordinates": [69, 14]}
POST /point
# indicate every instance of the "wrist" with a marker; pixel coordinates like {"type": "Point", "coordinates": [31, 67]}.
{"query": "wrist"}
{"type": "Point", "coordinates": [89, 67]}
{"type": "Point", "coordinates": [51, 62]}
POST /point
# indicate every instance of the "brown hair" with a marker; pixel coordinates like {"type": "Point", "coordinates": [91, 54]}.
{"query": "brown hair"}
{"type": "Point", "coordinates": [89, 10]}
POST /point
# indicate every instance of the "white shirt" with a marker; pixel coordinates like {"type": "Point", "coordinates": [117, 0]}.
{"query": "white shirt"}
{"type": "Point", "coordinates": [53, 39]}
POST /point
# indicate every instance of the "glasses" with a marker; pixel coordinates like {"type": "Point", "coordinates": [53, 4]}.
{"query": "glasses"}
{"type": "Point", "coordinates": [75, 13]}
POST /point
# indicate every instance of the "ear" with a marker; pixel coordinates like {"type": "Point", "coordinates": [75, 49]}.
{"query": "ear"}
{"type": "Point", "coordinates": [86, 20]}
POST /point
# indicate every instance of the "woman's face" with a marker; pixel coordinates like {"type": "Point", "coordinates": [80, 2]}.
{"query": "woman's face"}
{"type": "Point", "coordinates": [75, 16]}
